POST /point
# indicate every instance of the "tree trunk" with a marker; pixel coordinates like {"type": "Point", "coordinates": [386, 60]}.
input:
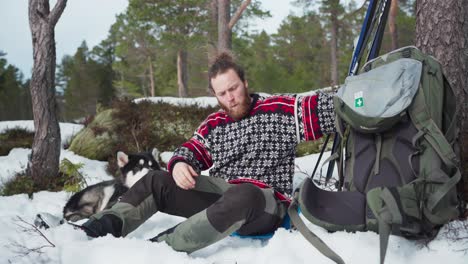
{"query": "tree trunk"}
{"type": "Point", "coordinates": [182, 72]}
{"type": "Point", "coordinates": [151, 77]}
{"type": "Point", "coordinates": [44, 160]}
{"type": "Point", "coordinates": [213, 26]}
{"type": "Point", "coordinates": [212, 36]}
{"type": "Point", "coordinates": [238, 14]}
{"type": "Point", "coordinates": [392, 24]}
{"type": "Point", "coordinates": [442, 31]}
{"type": "Point", "coordinates": [334, 48]}
{"type": "Point", "coordinates": [224, 33]}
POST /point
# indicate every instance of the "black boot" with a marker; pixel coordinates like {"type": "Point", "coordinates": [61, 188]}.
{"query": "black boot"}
{"type": "Point", "coordinates": [107, 224]}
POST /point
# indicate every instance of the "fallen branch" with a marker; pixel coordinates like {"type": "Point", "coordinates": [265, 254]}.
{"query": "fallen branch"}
{"type": "Point", "coordinates": [457, 231]}
{"type": "Point", "coordinates": [22, 250]}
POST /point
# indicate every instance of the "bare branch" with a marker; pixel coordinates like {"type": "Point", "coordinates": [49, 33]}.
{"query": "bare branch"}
{"type": "Point", "coordinates": [355, 11]}
{"type": "Point", "coordinates": [457, 231]}
{"type": "Point", "coordinates": [35, 229]}
{"type": "Point", "coordinates": [238, 13]}
{"type": "Point", "coordinates": [22, 250]}
{"type": "Point", "coordinates": [57, 12]}
{"type": "Point", "coordinates": [299, 169]}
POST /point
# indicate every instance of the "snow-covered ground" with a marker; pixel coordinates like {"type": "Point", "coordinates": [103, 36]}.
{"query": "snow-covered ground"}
{"type": "Point", "coordinates": [73, 247]}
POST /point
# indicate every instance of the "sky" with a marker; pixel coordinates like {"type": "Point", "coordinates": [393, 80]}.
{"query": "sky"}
{"type": "Point", "coordinates": [88, 20]}
{"type": "Point", "coordinates": [285, 247]}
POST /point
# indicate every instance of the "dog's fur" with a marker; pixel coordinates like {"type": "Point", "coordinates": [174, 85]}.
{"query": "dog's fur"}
{"type": "Point", "coordinates": [103, 195]}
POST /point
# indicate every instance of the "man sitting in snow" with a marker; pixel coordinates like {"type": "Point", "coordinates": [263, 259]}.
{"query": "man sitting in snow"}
{"type": "Point", "coordinates": [252, 137]}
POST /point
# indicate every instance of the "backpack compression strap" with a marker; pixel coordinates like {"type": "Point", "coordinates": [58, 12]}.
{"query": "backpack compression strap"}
{"type": "Point", "coordinates": [429, 130]}
{"type": "Point", "coordinates": [309, 235]}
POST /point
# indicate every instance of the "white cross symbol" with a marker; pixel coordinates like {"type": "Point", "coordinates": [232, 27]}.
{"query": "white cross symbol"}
{"type": "Point", "coordinates": [359, 102]}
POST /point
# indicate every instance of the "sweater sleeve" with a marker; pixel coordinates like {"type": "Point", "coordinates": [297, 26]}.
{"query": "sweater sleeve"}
{"type": "Point", "coordinates": [315, 116]}
{"type": "Point", "coordinates": [194, 152]}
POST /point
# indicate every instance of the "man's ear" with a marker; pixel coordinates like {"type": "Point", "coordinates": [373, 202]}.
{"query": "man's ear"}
{"type": "Point", "coordinates": [246, 84]}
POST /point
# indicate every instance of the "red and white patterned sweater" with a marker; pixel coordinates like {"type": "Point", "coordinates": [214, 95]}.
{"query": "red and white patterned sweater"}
{"type": "Point", "coordinates": [262, 145]}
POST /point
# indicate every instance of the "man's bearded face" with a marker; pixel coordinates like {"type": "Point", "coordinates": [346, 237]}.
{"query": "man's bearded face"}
{"type": "Point", "coordinates": [232, 94]}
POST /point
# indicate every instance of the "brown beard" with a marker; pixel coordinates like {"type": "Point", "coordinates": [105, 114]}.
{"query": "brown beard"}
{"type": "Point", "coordinates": [242, 109]}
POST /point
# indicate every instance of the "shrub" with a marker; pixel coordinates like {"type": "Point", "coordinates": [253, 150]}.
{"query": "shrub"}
{"type": "Point", "coordinates": [132, 127]}
{"type": "Point", "coordinates": [69, 179]}
{"type": "Point", "coordinates": [15, 138]}
{"type": "Point", "coordinates": [148, 125]}
{"type": "Point", "coordinates": [20, 183]}
{"type": "Point", "coordinates": [73, 180]}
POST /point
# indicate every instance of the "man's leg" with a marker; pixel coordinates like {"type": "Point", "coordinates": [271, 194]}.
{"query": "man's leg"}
{"type": "Point", "coordinates": [155, 192]}
{"type": "Point", "coordinates": [244, 208]}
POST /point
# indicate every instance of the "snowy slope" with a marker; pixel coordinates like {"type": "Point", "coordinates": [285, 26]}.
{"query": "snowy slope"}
{"type": "Point", "coordinates": [73, 247]}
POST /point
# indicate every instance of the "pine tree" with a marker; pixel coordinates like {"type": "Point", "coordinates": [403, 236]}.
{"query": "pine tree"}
{"type": "Point", "coordinates": [442, 31]}
{"type": "Point", "coordinates": [44, 161]}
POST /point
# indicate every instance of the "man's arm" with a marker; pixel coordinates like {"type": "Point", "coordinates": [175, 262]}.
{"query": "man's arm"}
{"type": "Point", "coordinates": [189, 160]}
{"type": "Point", "coordinates": [315, 116]}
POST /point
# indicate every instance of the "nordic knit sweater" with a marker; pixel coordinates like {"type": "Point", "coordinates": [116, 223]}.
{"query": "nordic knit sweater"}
{"type": "Point", "coordinates": [262, 145]}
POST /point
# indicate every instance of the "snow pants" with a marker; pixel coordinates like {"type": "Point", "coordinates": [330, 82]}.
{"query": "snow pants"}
{"type": "Point", "coordinates": [214, 209]}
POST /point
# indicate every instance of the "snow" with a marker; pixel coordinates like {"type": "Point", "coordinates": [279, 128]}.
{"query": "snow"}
{"type": "Point", "coordinates": [200, 101]}
{"type": "Point", "coordinates": [204, 101]}
{"type": "Point", "coordinates": [73, 247]}
{"type": "Point", "coordinates": [67, 130]}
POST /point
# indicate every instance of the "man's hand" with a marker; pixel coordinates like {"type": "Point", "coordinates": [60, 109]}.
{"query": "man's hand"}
{"type": "Point", "coordinates": [183, 175]}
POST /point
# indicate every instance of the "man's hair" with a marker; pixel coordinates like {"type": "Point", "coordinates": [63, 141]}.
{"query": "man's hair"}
{"type": "Point", "coordinates": [221, 64]}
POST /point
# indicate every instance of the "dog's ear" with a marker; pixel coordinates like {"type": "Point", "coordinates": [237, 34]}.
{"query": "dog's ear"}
{"type": "Point", "coordinates": [155, 154]}
{"type": "Point", "coordinates": [122, 159]}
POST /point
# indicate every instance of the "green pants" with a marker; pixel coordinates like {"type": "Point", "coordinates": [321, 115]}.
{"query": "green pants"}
{"type": "Point", "coordinates": [214, 209]}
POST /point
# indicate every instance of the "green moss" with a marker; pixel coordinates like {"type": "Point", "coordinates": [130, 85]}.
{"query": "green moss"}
{"type": "Point", "coordinates": [96, 140]}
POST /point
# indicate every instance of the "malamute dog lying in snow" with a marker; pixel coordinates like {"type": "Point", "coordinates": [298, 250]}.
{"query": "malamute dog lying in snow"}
{"type": "Point", "coordinates": [100, 196]}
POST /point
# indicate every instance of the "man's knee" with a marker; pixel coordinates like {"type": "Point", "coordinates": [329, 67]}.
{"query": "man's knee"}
{"type": "Point", "coordinates": [240, 203]}
{"type": "Point", "coordinates": [244, 197]}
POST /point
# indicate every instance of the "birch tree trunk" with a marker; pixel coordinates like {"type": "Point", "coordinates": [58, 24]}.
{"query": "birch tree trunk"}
{"type": "Point", "coordinates": [44, 160]}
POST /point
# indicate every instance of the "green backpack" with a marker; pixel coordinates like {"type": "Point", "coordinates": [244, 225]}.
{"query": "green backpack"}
{"type": "Point", "coordinates": [397, 121]}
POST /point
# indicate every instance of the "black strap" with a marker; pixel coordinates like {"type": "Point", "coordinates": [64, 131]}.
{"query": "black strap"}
{"type": "Point", "coordinates": [309, 235]}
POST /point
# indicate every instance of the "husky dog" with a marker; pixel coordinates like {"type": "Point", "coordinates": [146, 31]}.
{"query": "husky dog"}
{"type": "Point", "coordinates": [103, 195]}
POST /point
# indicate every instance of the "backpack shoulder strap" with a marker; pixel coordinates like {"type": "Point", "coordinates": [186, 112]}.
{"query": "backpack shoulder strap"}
{"type": "Point", "coordinates": [309, 235]}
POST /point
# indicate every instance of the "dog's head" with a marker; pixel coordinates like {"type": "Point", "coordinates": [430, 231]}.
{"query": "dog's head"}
{"type": "Point", "coordinates": [135, 166]}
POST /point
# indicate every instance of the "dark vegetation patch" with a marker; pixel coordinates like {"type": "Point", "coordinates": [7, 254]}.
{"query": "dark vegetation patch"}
{"type": "Point", "coordinates": [15, 138]}
{"type": "Point", "coordinates": [132, 127]}
{"type": "Point", "coordinates": [69, 179]}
